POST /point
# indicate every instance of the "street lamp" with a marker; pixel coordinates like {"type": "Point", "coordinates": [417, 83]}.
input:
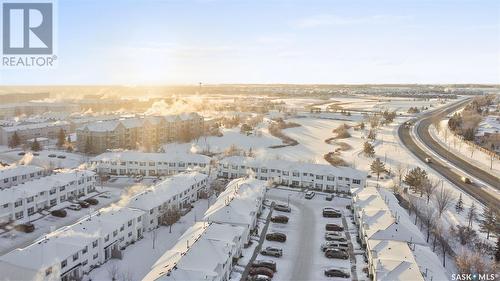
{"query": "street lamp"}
{"type": "Point", "coordinates": [288, 200]}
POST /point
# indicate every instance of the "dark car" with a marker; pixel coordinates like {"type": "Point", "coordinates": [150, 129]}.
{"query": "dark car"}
{"type": "Point", "coordinates": [25, 227]}
{"type": "Point", "coordinates": [333, 272]}
{"type": "Point", "coordinates": [261, 271]}
{"type": "Point", "coordinates": [21, 153]}
{"type": "Point", "coordinates": [52, 155]}
{"type": "Point", "coordinates": [329, 197]}
{"type": "Point", "coordinates": [92, 201]}
{"type": "Point", "coordinates": [261, 263]}
{"type": "Point", "coordinates": [61, 157]}
{"type": "Point", "coordinates": [272, 251]}
{"type": "Point", "coordinates": [276, 236]}
{"type": "Point", "coordinates": [331, 213]}
{"type": "Point", "coordinates": [84, 204]}
{"type": "Point", "coordinates": [282, 208]}
{"type": "Point", "coordinates": [59, 213]}
{"type": "Point", "coordinates": [336, 254]}
{"type": "Point", "coordinates": [280, 219]}
{"type": "Point", "coordinates": [333, 227]}
{"type": "Point", "coordinates": [36, 154]}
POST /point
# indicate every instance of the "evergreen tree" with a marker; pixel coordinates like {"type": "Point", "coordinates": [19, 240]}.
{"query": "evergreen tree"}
{"type": "Point", "coordinates": [416, 178]}
{"type": "Point", "coordinates": [35, 146]}
{"type": "Point", "coordinates": [368, 149]}
{"type": "Point", "coordinates": [377, 167]}
{"type": "Point", "coordinates": [61, 137]}
{"type": "Point", "coordinates": [14, 141]}
{"type": "Point", "coordinates": [459, 207]}
{"type": "Point", "coordinates": [497, 252]}
{"type": "Point", "coordinates": [487, 223]}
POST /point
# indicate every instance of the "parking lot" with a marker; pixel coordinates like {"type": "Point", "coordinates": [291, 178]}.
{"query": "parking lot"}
{"type": "Point", "coordinates": [302, 257]}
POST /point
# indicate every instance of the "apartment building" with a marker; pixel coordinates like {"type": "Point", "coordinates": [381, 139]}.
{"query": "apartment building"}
{"type": "Point", "coordinates": [18, 174]}
{"type": "Point", "coordinates": [26, 132]}
{"type": "Point", "coordinates": [173, 193]}
{"type": "Point", "coordinates": [71, 252]}
{"type": "Point", "coordinates": [139, 132]}
{"type": "Point", "coordinates": [295, 174]}
{"type": "Point", "coordinates": [129, 163]}
{"type": "Point", "coordinates": [24, 200]}
{"type": "Point", "coordinates": [206, 251]}
{"type": "Point", "coordinates": [239, 204]}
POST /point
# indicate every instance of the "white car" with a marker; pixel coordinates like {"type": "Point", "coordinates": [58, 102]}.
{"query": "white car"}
{"type": "Point", "coordinates": [75, 207]}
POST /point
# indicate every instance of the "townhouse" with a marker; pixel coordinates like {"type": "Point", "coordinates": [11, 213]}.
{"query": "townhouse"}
{"type": "Point", "coordinates": [18, 174]}
{"type": "Point", "coordinates": [27, 132]}
{"type": "Point", "coordinates": [173, 193]}
{"type": "Point", "coordinates": [395, 247]}
{"type": "Point", "coordinates": [130, 163]}
{"type": "Point", "coordinates": [206, 251]}
{"type": "Point", "coordinates": [295, 174]}
{"type": "Point", "coordinates": [71, 252]}
{"type": "Point", "coordinates": [239, 204]}
{"type": "Point", "coordinates": [23, 201]}
{"type": "Point", "coordinates": [147, 132]}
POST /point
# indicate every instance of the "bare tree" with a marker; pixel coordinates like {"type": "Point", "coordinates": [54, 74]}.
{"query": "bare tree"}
{"type": "Point", "coordinates": [170, 217]}
{"type": "Point", "coordinates": [472, 214]}
{"type": "Point", "coordinates": [400, 172]}
{"type": "Point", "coordinates": [127, 276]}
{"type": "Point", "coordinates": [437, 231]}
{"type": "Point", "coordinates": [443, 243]}
{"type": "Point", "coordinates": [429, 188]}
{"type": "Point", "coordinates": [464, 235]}
{"type": "Point", "coordinates": [113, 270]}
{"type": "Point", "coordinates": [428, 217]}
{"type": "Point", "coordinates": [471, 149]}
{"type": "Point", "coordinates": [468, 261]}
{"type": "Point", "coordinates": [444, 199]}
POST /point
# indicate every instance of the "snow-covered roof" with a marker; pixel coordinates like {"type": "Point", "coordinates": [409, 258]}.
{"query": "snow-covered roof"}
{"type": "Point", "coordinates": [165, 190]}
{"type": "Point", "coordinates": [35, 126]}
{"type": "Point", "coordinates": [394, 261]}
{"type": "Point", "coordinates": [156, 157]}
{"type": "Point", "coordinates": [63, 243]}
{"type": "Point", "coordinates": [238, 203]}
{"type": "Point", "coordinates": [198, 253]}
{"type": "Point", "coordinates": [280, 164]}
{"type": "Point", "coordinates": [31, 188]}
{"type": "Point", "coordinates": [18, 170]}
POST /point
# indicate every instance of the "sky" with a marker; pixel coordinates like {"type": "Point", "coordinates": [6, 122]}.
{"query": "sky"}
{"type": "Point", "coordinates": [139, 42]}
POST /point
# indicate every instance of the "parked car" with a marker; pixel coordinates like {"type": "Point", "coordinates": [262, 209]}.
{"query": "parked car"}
{"type": "Point", "coordinates": [61, 157]}
{"type": "Point", "coordinates": [52, 155]}
{"type": "Point", "coordinates": [329, 197]}
{"type": "Point", "coordinates": [259, 278]}
{"type": "Point", "coordinates": [280, 219]}
{"type": "Point", "coordinates": [334, 244]}
{"type": "Point", "coordinates": [282, 208]}
{"type": "Point", "coordinates": [428, 159]}
{"type": "Point", "coordinates": [335, 238]}
{"type": "Point", "coordinates": [59, 213]}
{"type": "Point", "coordinates": [21, 153]}
{"type": "Point", "coordinates": [36, 154]}
{"type": "Point", "coordinates": [25, 227]}
{"type": "Point", "coordinates": [265, 263]}
{"type": "Point", "coordinates": [334, 272]}
{"type": "Point", "coordinates": [336, 254]}
{"type": "Point", "coordinates": [465, 180]}
{"type": "Point", "coordinates": [83, 204]}
{"type": "Point", "coordinates": [310, 194]}
{"type": "Point", "coordinates": [276, 236]}
{"type": "Point", "coordinates": [333, 227]}
{"type": "Point", "coordinates": [331, 213]}
{"type": "Point", "coordinates": [272, 251]}
{"type": "Point", "coordinates": [92, 201]}
{"type": "Point", "coordinates": [261, 271]}
{"type": "Point", "coordinates": [75, 207]}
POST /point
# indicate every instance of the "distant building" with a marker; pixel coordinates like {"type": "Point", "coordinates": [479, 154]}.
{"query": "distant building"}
{"type": "Point", "coordinates": [305, 175]}
{"type": "Point", "coordinates": [147, 133]}
{"type": "Point", "coordinates": [18, 174]}
{"type": "Point", "coordinates": [20, 202]}
{"type": "Point", "coordinates": [129, 163]}
{"type": "Point", "coordinates": [31, 131]}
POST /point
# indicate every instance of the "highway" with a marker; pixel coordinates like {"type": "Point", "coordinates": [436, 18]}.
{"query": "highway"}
{"type": "Point", "coordinates": [422, 130]}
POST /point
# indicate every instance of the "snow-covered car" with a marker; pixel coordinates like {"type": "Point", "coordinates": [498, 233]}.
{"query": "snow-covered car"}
{"type": "Point", "coordinates": [265, 263]}
{"type": "Point", "coordinates": [333, 227]}
{"type": "Point", "coordinates": [259, 278]}
{"type": "Point", "coordinates": [272, 251]}
{"type": "Point", "coordinates": [276, 236]}
{"type": "Point", "coordinates": [310, 194]}
{"type": "Point", "coordinates": [329, 197]}
{"type": "Point", "coordinates": [282, 208]}
{"type": "Point", "coordinates": [261, 271]}
{"type": "Point", "coordinates": [334, 244]}
{"type": "Point", "coordinates": [335, 272]}
{"type": "Point", "coordinates": [336, 254]}
{"type": "Point", "coordinates": [75, 207]}
{"type": "Point", "coordinates": [279, 219]}
{"type": "Point", "coordinates": [331, 213]}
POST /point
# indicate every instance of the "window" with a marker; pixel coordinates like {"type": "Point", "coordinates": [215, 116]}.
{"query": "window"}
{"type": "Point", "coordinates": [6, 180]}
{"type": "Point", "coordinates": [84, 263]}
{"type": "Point", "coordinates": [318, 177]}
{"type": "Point", "coordinates": [31, 211]}
{"type": "Point", "coordinates": [295, 174]}
{"type": "Point", "coordinates": [53, 202]}
{"type": "Point", "coordinates": [129, 222]}
{"type": "Point", "coordinates": [75, 257]}
{"type": "Point", "coordinates": [130, 234]}
{"type": "Point", "coordinates": [19, 215]}
{"type": "Point", "coordinates": [18, 203]}
{"type": "Point", "coordinates": [340, 178]}
{"type": "Point", "coordinates": [355, 181]}
{"type": "Point", "coordinates": [94, 244]}
{"type": "Point", "coordinates": [95, 256]}
{"type": "Point", "coordinates": [330, 178]}
{"type": "Point", "coordinates": [62, 188]}
{"type": "Point", "coordinates": [285, 173]}
{"type": "Point", "coordinates": [122, 227]}
{"type": "Point", "coordinates": [64, 263]}
{"type": "Point", "coordinates": [29, 199]}
{"type": "Point", "coordinates": [263, 170]}
{"type": "Point", "coordinates": [84, 250]}
{"type": "Point", "coordinates": [115, 233]}
{"type": "Point", "coordinates": [62, 198]}
{"type": "Point", "coordinates": [106, 238]}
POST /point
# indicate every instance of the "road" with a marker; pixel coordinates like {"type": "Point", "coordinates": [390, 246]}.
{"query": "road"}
{"type": "Point", "coordinates": [422, 130]}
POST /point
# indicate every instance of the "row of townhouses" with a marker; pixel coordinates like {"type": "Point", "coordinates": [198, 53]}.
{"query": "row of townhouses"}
{"type": "Point", "coordinates": [130, 163]}
{"type": "Point", "coordinates": [139, 132]}
{"type": "Point", "coordinates": [18, 174]}
{"type": "Point", "coordinates": [395, 247]}
{"type": "Point", "coordinates": [306, 175]}
{"type": "Point", "coordinates": [71, 252]}
{"type": "Point", "coordinates": [209, 249]}
{"type": "Point", "coordinates": [24, 200]}
{"type": "Point", "coordinates": [32, 131]}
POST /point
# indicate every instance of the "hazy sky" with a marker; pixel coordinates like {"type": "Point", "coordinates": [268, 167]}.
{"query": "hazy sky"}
{"type": "Point", "coordinates": [290, 41]}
